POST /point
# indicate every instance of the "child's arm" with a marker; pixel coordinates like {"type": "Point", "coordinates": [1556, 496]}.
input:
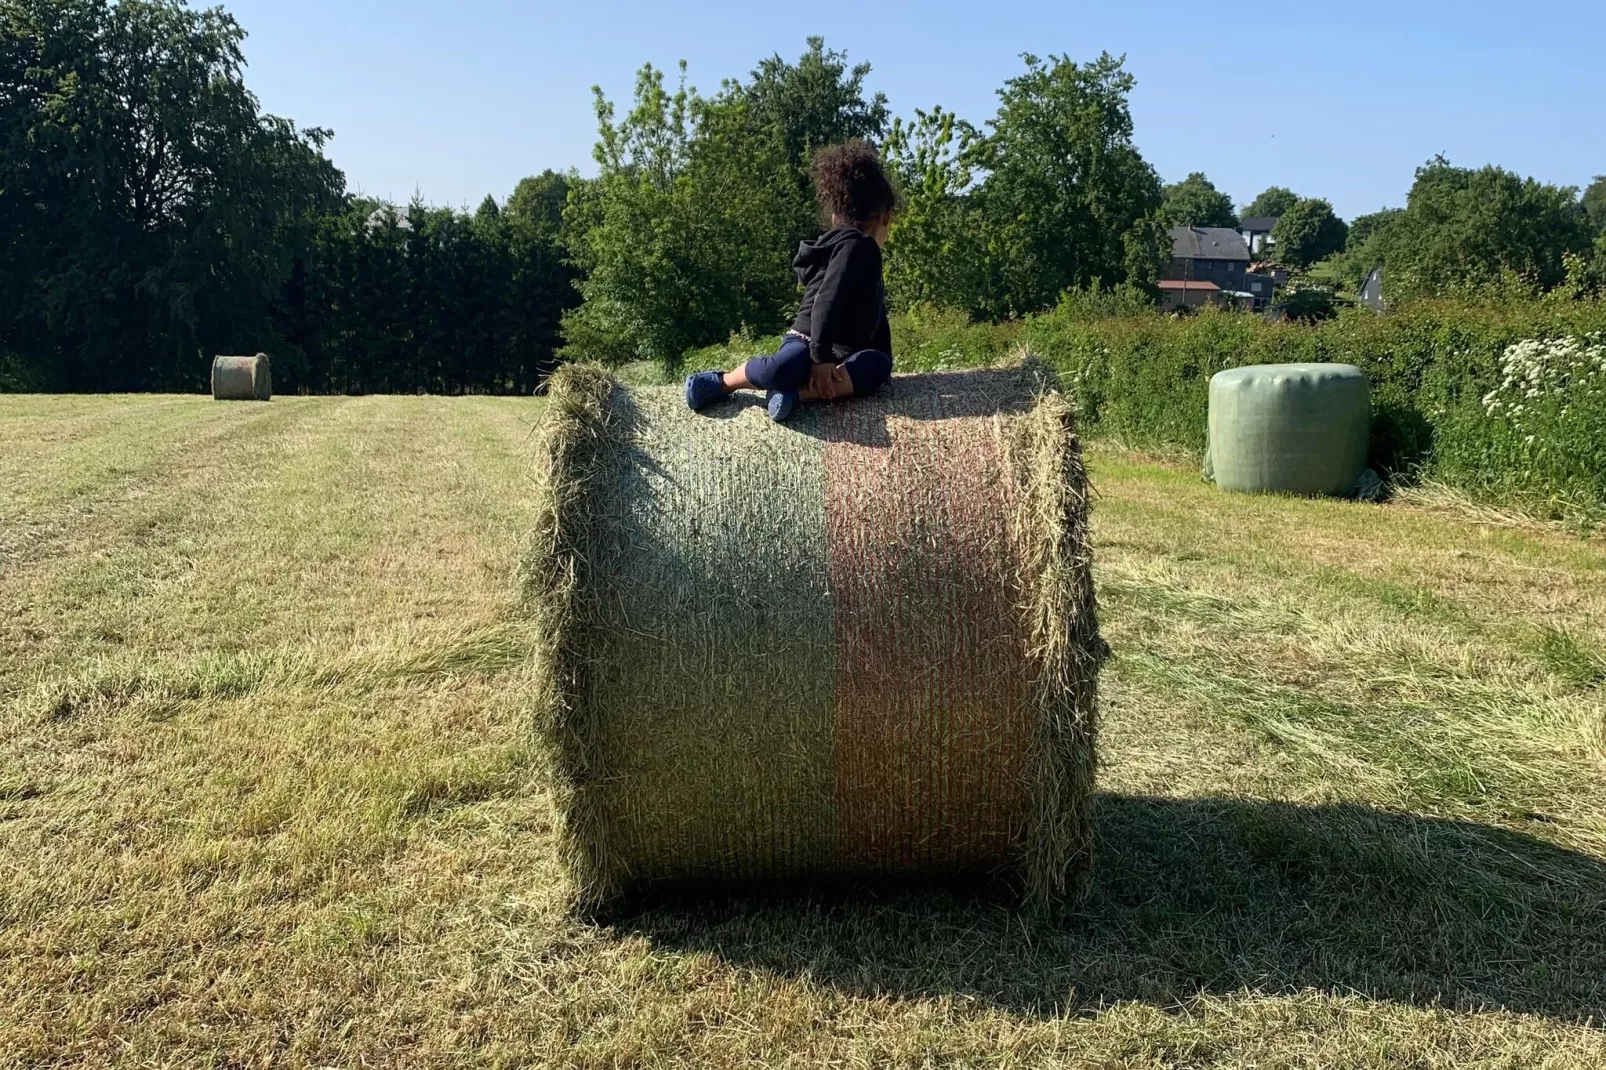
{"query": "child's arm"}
{"type": "Point", "coordinates": [882, 339]}
{"type": "Point", "coordinates": [852, 272]}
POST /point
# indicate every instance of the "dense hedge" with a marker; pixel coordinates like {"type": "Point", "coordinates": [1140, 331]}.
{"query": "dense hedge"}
{"type": "Point", "coordinates": [1435, 369]}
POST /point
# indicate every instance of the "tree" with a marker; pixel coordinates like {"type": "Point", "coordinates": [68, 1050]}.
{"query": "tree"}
{"type": "Point", "coordinates": [149, 213]}
{"type": "Point", "coordinates": [419, 298]}
{"type": "Point", "coordinates": [628, 240]}
{"type": "Point", "coordinates": [1364, 228]}
{"type": "Point", "coordinates": [1364, 248]}
{"type": "Point", "coordinates": [543, 281]}
{"type": "Point", "coordinates": [1195, 202]}
{"type": "Point", "coordinates": [1065, 186]}
{"type": "Point", "coordinates": [684, 237]}
{"type": "Point", "coordinates": [1468, 229]}
{"type": "Point", "coordinates": [1594, 202]}
{"type": "Point", "coordinates": [1308, 232]}
{"type": "Point", "coordinates": [1271, 203]}
{"type": "Point", "coordinates": [151, 216]}
{"type": "Point", "coordinates": [936, 255]}
{"type": "Point", "coordinates": [687, 233]}
{"type": "Point", "coordinates": [537, 203]}
{"type": "Point", "coordinates": [815, 102]}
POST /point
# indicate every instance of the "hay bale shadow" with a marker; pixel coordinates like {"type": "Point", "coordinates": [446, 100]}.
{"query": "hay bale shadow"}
{"type": "Point", "coordinates": [1208, 896]}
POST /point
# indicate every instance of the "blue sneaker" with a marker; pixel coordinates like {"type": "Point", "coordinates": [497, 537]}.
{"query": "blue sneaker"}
{"type": "Point", "coordinates": [703, 389]}
{"type": "Point", "coordinates": [781, 404]}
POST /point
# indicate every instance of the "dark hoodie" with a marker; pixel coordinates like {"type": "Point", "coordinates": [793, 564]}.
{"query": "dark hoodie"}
{"type": "Point", "coordinates": [844, 305]}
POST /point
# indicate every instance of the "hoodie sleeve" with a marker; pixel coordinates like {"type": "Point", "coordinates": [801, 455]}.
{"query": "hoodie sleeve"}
{"type": "Point", "coordinates": [882, 339]}
{"type": "Point", "coordinates": [850, 275]}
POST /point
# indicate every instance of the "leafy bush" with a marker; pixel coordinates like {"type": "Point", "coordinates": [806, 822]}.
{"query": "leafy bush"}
{"type": "Point", "coordinates": [1543, 425]}
{"type": "Point", "coordinates": [743, 345]}
{"type": "Point", "coordinates": [1308, 302]}
{"type": "Point", "coordinates": [931, 339]}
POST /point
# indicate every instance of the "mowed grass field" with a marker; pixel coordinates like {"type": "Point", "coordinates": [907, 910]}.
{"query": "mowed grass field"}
{"type": "Point", "coordinates": [268, 794]}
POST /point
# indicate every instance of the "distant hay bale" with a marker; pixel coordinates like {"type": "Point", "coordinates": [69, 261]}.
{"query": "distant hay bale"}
{"type": "Point", "coordinates": [1289, 429]}
{"type": "Point", "coordinates": [242, 378]}
{"type": "Point", "coordinates": [862, 644]}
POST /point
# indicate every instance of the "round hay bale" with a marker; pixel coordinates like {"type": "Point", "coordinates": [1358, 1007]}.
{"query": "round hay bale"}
{"type": "Point", "coordinates": [1289, 428]}
{"type": "Point", "coordinates": [242, 378]}
{"type": "Point", "coordinates": [861, 644]}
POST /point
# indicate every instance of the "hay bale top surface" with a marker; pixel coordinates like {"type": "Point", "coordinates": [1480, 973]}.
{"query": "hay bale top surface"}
{"type": "Point", "coordinates": [1290, 373]}
{"type": "Point", "coordinates": [982, 394]}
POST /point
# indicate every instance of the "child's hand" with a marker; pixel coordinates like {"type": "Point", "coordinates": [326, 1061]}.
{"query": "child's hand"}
{"type": "Point", "coordinates": [823, 380]}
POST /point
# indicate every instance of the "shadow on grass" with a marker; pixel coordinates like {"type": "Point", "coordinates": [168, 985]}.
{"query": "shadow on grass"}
{"type": "Point", "coordinates": [1210, 896]}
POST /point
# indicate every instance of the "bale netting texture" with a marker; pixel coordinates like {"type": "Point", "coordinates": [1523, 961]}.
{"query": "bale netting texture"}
{"type": "Point", "coordinates": [860, 644]}
{"type": "Point", "coordinates": [242, 378]}
{"type": "Point", "coordinates": [1289, 429]}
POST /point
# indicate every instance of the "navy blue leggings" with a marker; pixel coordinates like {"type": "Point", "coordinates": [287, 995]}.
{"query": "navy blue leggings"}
{"type": "Point", "coordinates": [788, 369]}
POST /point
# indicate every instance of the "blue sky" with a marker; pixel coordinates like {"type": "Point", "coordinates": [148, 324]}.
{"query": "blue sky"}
{"type": "Point", "coordinates": [1344, 101]}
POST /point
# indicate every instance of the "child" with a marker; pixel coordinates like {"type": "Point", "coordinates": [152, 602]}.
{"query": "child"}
{"type": "Point", "coordinates": [840, 345]}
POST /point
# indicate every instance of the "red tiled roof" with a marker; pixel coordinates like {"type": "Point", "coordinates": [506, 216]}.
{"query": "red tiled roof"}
{"type": "Point", "coordinates": [1181, 284]}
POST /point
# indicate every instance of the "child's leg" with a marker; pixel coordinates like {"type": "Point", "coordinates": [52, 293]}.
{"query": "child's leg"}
{"type": "Point", "coordinates": [866, 372]}
{"type": "Point", "coordinates": [787, 370]}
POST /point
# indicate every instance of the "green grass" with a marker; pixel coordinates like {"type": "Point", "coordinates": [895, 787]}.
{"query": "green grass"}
{"type": "Point", "coordinates": [267, 794]}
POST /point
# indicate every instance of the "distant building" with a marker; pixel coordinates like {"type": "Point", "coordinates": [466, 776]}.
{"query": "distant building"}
{"type": "Point", "coordinates": [1257, 232]}
{"type": "Point", "coordinates": [1182, 293]}
{"type": "Point", "coordinates": [1262, 290]}
{"type": "Point", "coordinates": [389, 215]}
{"type": "Point", "coordinates": [1371, 292]}
{"type": "Point", "coordinates": [1217, 255]}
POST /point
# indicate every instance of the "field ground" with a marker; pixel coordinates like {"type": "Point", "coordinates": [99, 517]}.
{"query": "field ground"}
{"type": "Point", "coordinates": [266, 793]}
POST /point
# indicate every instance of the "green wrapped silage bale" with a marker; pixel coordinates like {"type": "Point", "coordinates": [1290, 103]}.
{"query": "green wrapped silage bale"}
{"type": "Point", "coordinates": [1289, 429]}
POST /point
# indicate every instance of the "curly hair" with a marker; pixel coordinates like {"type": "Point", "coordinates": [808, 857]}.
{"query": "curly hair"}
{"type": "Point", "coordinates": [850, 184]}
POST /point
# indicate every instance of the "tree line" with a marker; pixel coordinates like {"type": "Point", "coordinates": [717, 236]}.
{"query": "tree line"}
{"type": "Point", "coordinates": [152, 215]}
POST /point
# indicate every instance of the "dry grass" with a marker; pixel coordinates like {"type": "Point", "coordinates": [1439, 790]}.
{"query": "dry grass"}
{"type": "Point", "coordinates": [266, 793]}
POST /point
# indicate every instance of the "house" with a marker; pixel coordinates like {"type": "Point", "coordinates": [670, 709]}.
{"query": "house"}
{"type": "Point", "coordinates": [1262, 290]}
{"type": "Point", "coordinates": [386, 215]}
{"type": "Point", "coordinates": [1257, 232]}
{"type": "Point", "coordinates": [1182, 293]}
{"type": "Point", "coordinates": [1216, 255]}
{"type": "Point", "coordinates": [1371, 291]}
